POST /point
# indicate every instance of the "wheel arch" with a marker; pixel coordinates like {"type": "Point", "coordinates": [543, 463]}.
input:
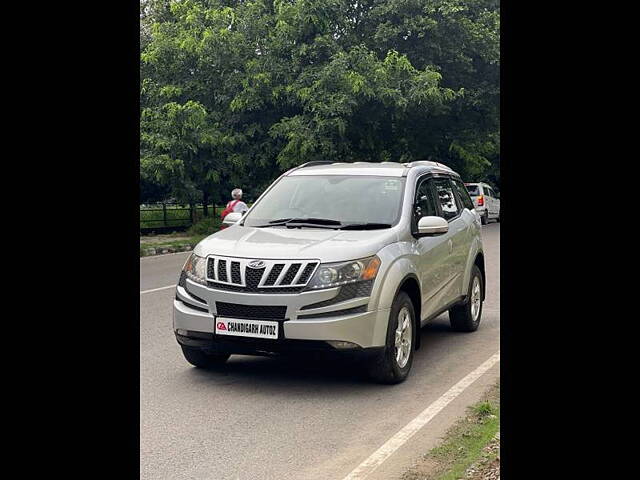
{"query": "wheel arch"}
{"type": "Point", "coordinates": [479, 262]}
{"type": "Point", "coordinates": [411, 286]}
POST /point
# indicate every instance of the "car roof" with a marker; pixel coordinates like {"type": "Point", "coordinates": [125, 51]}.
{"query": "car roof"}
{"type": "Point", "coordinates": [385, 169]}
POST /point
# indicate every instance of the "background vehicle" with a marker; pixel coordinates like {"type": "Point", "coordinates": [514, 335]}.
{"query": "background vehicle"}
{"type": "Point", "coordinates": [336, 257]}
{"type": "Point", "coordinates": [486, 201]}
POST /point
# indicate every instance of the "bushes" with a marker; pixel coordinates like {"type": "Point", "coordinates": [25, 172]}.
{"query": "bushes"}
{"type": "Point", "coordinates": [205, 226]}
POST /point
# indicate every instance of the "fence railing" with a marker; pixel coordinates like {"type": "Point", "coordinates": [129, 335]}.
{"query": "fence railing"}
{"type": "Point", "coordinates": [164, 217]}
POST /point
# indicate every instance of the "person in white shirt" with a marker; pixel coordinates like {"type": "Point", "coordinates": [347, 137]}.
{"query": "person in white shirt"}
{"type": "Point", "coordinates": [239, 205]}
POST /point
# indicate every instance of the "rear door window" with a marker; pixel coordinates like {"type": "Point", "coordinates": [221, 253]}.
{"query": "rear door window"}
{"type": "Point", "coordinates": [446, 198]}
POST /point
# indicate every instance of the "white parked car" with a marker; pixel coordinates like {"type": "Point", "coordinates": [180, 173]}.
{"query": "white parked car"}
{"type": "Point", "coordinates": [486, 201]}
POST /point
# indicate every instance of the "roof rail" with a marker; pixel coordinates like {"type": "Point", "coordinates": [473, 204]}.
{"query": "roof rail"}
{"type": "Point", "coordinates": [428, 163]}
{"type": "Point", "coordinates": [316, 162]}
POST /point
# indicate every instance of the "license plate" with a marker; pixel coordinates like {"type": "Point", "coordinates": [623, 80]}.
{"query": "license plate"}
{"type": "Point", "coordinates": [246, 328]}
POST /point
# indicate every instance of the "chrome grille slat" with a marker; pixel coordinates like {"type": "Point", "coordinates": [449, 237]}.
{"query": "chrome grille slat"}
{"type": "Point", "coordinates": [284, 271]}
{"type": "Point", "coordinates": [270, 278]}
{"type": "Point", "coordinates": [298, 274]}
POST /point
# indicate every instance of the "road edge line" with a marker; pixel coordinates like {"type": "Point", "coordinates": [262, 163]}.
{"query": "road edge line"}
{"type": "Point", "coordinates": [394, 443]}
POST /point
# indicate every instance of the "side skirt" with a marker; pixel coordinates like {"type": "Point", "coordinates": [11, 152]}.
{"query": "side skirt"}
{"type": "Point", "coordinates": [462, 299]}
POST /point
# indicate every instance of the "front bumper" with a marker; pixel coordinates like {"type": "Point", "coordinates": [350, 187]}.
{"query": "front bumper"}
{"type": "Point", "coordinates": [365, 329]}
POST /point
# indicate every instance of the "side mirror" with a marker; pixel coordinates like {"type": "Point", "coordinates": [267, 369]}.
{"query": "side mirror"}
{"type": "Point", "coordinates": [231, 218]}
{"type": "Point", "coordinates": [432, 226]}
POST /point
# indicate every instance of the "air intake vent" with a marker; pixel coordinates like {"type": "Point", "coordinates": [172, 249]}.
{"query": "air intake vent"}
{"type": "Point", "coordinates": [255, 312]}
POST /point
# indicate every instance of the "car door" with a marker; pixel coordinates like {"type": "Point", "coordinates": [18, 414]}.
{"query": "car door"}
{"type": "Point", "coordinates": [452, 211]}
{"type": "Point", "coordinates": [433, 251]}
{"type": "Point", "coordinates": [472, 228]}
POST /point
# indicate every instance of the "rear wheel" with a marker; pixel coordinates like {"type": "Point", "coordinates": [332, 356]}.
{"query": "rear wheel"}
{"type": "Point", "coordinates": [466, 317]}
{"type": "Point", "coordinates": [200, 359]}
{"type": "Point", "coordinates": [485, 218]}
{"type": "Point", "coordinates": [394, 364]}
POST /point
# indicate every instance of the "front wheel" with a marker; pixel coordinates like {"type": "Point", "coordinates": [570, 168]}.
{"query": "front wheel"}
{"type": "Point", "coordinates": [466, 317]}
{"type": "Point", "coordinates": [394, 364]}
{"type": "Point", "coordinates": [200, 359]}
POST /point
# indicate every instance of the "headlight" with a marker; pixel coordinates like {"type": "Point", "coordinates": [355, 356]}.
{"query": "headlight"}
{"type": "Point", "coordinates": [195, 267]}
{"type": "Point", "coordinates": [335, 274]}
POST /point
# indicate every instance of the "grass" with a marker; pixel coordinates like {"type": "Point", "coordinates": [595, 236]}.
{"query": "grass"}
{"type": "Point", "coordinates": [177, 240]}
{"type": "Point", "coordinates": [175, 245]}
{"type": "Point", "coordinates": [464, 444]}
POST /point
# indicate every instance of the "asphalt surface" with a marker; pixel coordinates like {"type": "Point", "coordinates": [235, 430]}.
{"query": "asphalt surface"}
{"type": "Point", "coordinates": [266, 418]}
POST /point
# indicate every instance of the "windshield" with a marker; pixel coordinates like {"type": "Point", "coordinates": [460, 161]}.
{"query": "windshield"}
{"type": "Point", "coordinates": [330, 201]}
{"type": "Point", "coordinates": [473, 190]}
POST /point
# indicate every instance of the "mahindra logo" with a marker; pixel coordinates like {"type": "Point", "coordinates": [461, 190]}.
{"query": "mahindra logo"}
{"type": "Point", "coordinates": [256, 264]}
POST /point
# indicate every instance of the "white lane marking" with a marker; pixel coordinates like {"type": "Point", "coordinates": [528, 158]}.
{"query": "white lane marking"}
{"type": "Point", "coordinates": [375, 460]}
{"type": "Point", "coordinates": [156, 289]}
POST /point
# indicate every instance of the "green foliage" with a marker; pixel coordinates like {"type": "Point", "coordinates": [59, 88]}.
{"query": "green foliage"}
{"type": "Point", "coordinates": [205, 226]}
{"type": "Point", "coordinates": [235, 92]}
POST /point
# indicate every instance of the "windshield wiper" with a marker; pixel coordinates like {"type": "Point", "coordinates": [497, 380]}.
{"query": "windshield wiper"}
{"type": "Point", "coordinates": [364, 226]}
{"type": "Point", "coordinates": [303, 222]}
{"type": "Point", "coordinates": [318, 221]}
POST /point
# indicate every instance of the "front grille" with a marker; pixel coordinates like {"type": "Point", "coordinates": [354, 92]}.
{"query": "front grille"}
{"type": "Point", "coordinates": [306, 273]}
{"type": "Point", "coordinates": [273, 276]}
{"type": "Point", "coordinates": [253, 276]}
{"type": "Point", "coordinates": [257, 312]}
{"type": "Point", "coordinates": [290, 275]}
{"type": "Point", "coordinates": [222, 270]}
{"type": "Point", "coordinates": [235, 272]}
{"type": "Point", "coordinates": [275, 273]}
{"type": "Point", "coordinates": [347, 292]}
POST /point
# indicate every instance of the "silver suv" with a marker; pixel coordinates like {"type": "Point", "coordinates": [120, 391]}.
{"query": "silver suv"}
{"type": "Point", "coordinates": [338, 257]}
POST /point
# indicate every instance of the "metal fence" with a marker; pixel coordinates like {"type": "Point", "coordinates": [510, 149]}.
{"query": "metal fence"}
{"type": "Point", "coordinates": [169, 217]}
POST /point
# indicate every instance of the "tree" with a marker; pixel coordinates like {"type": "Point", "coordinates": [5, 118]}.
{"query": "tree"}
{"type": "Point", "coordinates": [235, 92]}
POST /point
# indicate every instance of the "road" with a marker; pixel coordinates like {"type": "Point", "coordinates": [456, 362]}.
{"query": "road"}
{"type": "Point", "coordinates": [266, 418]}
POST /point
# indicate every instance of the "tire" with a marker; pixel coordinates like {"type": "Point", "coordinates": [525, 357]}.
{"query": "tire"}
{"type": "Point", "coordinates": [498, 219]}
{"type": "Point", "coordinates": [462, 317]}
{"type": "Point", "coordinates": [484, 219]}
{"type": "Point", "coordinates": [200, 359]}
{"type": "Point", "coordinates": [385, 368]}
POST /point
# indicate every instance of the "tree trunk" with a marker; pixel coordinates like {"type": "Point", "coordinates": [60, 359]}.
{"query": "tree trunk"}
{"type": "Point", "coordinates": [205, 203]}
